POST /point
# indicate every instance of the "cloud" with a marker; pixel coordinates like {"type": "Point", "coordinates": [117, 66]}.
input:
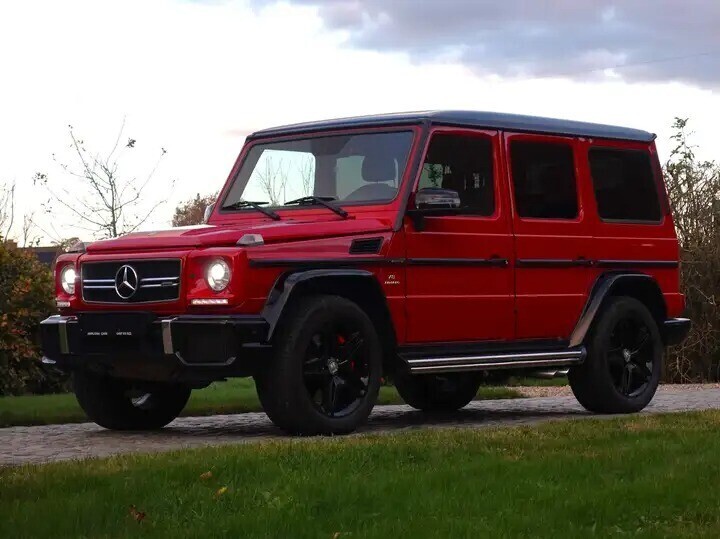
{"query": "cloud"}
{"type": "Point", "coordinates": [643, 40]}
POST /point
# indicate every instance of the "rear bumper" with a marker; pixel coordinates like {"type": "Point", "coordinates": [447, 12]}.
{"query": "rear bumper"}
{"type": "Point", "coordinates": [675, 330]}
{"type": "Point", "coordinates": [141, 345]}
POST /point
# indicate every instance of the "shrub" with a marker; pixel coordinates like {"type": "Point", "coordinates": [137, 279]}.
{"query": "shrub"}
{"type": "Point", "coordinates": [694, 192]}
{"type": "Point", "coordinates": [26, 297]}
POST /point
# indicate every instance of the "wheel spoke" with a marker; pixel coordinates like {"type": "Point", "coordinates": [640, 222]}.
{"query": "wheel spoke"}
{"type": "Point", "coordinates": [355, 382]}
{"type": "Point", "coordinates": [350, 348]}
{"type": "Point", "coordinates": [642, 369]}
{"type": "Point", "coordinates": [626, 381]}
{"type": "Point", "coordinates": [330, 395]}
{"type": "Point", "coordinates": [640, 341]}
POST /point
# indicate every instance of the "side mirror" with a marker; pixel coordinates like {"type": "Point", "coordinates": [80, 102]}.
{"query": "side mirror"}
{"type": "Point", "coordinates": [434, 202]}
{"type": "Point", "coordinates": [208, 211]}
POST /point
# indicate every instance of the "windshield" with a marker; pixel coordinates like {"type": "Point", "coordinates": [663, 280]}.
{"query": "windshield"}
{"type": "Point", "coordinates": [347, 168]}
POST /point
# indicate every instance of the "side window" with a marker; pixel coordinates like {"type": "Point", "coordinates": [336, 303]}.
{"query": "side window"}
{"type": "Point", "coordinates": [543, 177]}
{"type": "Point", "coordinates": [464, 164]}
{"type": "Point", "coordinates": [624, 184]}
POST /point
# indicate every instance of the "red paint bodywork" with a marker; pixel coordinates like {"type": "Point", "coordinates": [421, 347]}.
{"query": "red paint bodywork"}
{"type": "Point", "coordinates": [427, 303]}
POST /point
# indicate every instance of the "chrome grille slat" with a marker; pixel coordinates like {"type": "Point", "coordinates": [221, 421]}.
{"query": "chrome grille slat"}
{"type": "Point", "coordinates": [158, 280]}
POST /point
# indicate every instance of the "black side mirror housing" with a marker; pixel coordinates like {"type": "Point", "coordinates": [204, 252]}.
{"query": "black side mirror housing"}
{"type": "Point", "coordinates": [433, 202]}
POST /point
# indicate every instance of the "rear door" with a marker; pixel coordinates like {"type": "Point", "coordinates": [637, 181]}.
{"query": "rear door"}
{"type": "Point", "coordinates": [459, 279]}
{"type": "Point", "coordinates": [553, 236]}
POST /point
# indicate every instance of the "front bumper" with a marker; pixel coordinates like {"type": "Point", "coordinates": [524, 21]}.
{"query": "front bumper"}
{"type": "Point", "coordinates": [141, 345]}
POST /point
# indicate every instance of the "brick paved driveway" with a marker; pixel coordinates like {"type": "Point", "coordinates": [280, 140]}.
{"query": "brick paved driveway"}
{"type": "Point", "coordinates": [63, 442]}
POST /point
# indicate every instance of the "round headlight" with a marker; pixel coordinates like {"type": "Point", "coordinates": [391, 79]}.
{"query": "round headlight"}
{"type": "Point", "coordinates": [218, 275]}
{"type": "Point", "coordinates": [67, 279]}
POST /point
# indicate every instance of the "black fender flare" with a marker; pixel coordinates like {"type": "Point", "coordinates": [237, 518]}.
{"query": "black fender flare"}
{"type": "Point", "coordinates": [287, 283]}
{"type": "Point", "coordinates": [603, 287]}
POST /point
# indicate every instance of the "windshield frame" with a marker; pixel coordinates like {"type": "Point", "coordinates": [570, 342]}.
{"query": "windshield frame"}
{"type": "Point", "coordinates": [407, 175]}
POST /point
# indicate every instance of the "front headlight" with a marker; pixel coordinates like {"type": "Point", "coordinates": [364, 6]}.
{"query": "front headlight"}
{"type": "Point", "coordinates": [218, 275]}
{"type": "Point", "coordinates": [67, 279]}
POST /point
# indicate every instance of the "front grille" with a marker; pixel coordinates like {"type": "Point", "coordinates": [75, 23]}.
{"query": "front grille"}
{"type": "Point", "coordinates": [113, 282]}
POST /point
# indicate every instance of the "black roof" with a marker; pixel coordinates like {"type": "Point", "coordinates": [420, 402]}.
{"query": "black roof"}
{"type": "Point", "coordinates": [489, 120]}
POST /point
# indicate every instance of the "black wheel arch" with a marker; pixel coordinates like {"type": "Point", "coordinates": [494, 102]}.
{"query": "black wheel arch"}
{"type": "Point", "coordinates": [356, 285]}
{"type": "Point", "coordinates": [640, 286]}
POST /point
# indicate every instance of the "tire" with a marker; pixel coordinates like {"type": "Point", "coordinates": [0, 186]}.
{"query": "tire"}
{"type": "Point", "coordinates": [624, 358]}
{"type": "Point", "coordinates": [325, 373]}
{"type": "Point", "coordinates": [437, 392]}
{"type": "Point", "coordinates": [121, 405]}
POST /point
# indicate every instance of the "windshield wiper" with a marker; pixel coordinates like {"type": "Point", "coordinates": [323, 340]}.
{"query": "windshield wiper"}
{"type": "Point", "coordinates": [254, 205]}
{"type": "Point", "coordinates": [322, 201]}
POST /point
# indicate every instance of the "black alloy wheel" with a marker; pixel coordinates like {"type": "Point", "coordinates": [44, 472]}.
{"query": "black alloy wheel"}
{"type": "Point", "coordinates": [624, 358]}
{"type": "Point", "coordinates": [335, 371]}
{"type": "Point", "coordinates": [630, 356]}
{"type": "Point", "coordinates": [324, 375]}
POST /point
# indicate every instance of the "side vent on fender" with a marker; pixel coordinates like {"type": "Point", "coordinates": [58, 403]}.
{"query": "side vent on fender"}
{"type": "Point", "coordinates": [369, 246]}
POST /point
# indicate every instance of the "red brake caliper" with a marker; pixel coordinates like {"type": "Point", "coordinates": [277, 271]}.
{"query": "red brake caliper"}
{"type": "Point", "coordinates": [341, 341]}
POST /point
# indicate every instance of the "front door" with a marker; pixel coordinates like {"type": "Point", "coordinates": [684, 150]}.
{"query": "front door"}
{"type": "Point", "coordinates": [459, 278]}
{"type": "Point", "coordinates": [553, 236]}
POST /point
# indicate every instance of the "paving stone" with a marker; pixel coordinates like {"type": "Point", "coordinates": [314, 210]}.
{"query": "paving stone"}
{"type": "Point", "coordinates": [21, 445]}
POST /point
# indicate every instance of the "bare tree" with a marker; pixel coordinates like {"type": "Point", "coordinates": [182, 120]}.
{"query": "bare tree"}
{"type": "Point", "coordinates": [273, 179]}
{"type": "Point", "coordinates": [306, 169]}
{"type": "Point", "coordinates": [102, 200]}
{"type": "Point", "coordinates": [7, 209]}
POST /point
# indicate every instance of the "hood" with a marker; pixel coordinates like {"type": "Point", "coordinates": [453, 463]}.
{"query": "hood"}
{"type": "Point", "coordinates": [227, 235]}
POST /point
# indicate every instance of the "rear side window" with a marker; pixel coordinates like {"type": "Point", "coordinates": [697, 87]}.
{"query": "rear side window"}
{"type": "Point", "coordinates": [624, 184]}
{"type": "Point", "coordinates": [543, 176]}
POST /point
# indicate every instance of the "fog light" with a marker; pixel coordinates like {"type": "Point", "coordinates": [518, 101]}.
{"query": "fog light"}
{"type": "Point", "coordinates": [67, 279]}
{"type": "Point", "coordinates": [218, 275]}
{"type": "Point", "coordinates": [209, 301]}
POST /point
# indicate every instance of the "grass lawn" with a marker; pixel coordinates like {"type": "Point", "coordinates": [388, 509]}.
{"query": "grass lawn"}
{"type": "Point", "coordinates": [647, 476]}
{"type": "Point", "coordinates": [234, 396]}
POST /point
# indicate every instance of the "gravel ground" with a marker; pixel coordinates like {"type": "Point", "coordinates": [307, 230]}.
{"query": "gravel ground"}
{"type": "Point", "coordinates": [21, 445]}
{"type": "Point", "coordinates": [565, 391]}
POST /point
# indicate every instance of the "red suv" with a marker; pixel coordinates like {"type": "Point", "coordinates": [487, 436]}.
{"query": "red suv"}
{"type": "Point", "coordinates": [425, 247]}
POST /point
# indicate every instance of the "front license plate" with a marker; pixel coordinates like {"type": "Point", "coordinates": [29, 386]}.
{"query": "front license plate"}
{"type": "Point", "coordinates": [115, 326]}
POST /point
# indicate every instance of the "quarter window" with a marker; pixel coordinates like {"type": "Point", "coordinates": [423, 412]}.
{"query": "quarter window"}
{"type": "Point", "coordinates": [624, 185]}
{"type": "Point", "coordinates": [464, 164]}
{"type": "Point", "coordinates": [544, 180]}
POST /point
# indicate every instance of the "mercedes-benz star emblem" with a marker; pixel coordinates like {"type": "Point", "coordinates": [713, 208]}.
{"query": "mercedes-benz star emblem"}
{"type": "Point", "coordinates": [126, 282]}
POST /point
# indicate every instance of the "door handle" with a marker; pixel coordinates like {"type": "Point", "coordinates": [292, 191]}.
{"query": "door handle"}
{"type": "Point", "coordinates": [583, 262]}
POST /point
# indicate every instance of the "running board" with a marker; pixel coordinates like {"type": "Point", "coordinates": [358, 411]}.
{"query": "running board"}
{"type": "Point", "coordinates": [529, 360]}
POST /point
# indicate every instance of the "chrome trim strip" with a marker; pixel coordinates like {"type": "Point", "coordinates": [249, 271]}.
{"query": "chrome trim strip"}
{"type": "Point", "coordinates": [96, 281]}
{"type": "Point", "coordinates": [99, 287]}
{"type": "Point", "coordinates": [168, 347]}
{"type": "Point", "coordinates": [497, 361]}
{"type": "Point", "coordinates": [160, 279]}
{"type": "Point", "coordinates": [158, 285]}
{"type": "Point", "coordinates": [62, 331]}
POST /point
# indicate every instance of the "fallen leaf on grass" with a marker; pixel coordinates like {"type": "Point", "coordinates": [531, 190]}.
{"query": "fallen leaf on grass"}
{"type": "Point", "coordinates": [220, 491]}
{"type": "Point", "coordinates": [205, 476]}
{"type": "Point", "coordinates": [139, 516]}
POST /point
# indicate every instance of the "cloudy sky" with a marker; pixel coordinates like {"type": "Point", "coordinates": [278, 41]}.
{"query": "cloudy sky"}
{"type": "Point", "coordinates": [195, 76]}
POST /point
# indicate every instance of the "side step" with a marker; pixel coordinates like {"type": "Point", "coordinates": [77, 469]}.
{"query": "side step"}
{"type": "Point", "coordinates": [527, 360]}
